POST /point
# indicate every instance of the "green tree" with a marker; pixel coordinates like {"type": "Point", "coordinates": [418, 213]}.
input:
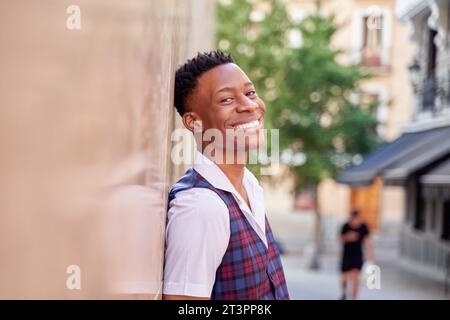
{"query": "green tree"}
{"type": "Point", "coordinates": [313, 98]}
{"type": "Point", "coordinates": [325, 118]}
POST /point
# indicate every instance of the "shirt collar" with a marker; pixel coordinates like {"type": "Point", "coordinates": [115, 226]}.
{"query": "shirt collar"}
{"type": "Point", "coordinates": [211, 172]}
{"type": "Point", "coordinates": [215, 176]}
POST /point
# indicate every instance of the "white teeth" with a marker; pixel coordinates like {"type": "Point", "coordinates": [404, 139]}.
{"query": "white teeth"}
{"type": "Point", "coordinates": [248, 125]}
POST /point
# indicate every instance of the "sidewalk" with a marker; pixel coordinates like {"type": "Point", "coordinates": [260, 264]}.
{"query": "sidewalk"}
{"type": "Point", "coordinates": [324, 284]}
{"type": "Point", "coordinates": [294, 233]}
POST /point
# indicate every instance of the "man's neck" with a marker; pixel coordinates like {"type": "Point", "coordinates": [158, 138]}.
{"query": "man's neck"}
{"type": "Point", "coordinates": [234, 172]}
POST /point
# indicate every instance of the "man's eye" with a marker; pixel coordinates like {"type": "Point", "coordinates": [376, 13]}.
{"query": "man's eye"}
{"type": "Point", "coordinates": [227, 100]}
{"type": "Point", "coordinates": [251, 93]}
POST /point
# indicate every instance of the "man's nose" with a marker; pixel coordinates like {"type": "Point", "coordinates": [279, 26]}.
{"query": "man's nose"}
{"type": "Point", "coordinates": [247, 105]}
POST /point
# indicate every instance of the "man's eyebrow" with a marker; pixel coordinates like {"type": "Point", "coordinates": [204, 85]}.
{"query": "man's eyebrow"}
{"type": "Point", "coordinates": [249, 83]}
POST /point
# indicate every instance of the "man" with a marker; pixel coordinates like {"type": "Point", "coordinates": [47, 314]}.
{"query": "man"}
{"type": "Point", "coordinates": [219, 244]}
{"type": "Point", "coordinates": [354, 234]}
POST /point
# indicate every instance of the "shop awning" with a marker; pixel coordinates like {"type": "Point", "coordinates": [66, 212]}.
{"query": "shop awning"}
{"type": "Point", "coordinates": [436, 182]}
{"type": "Point", "coordinates": [398, 159]}
{"type": "Point", "coordinates": [438, 176]}
{"type": "Point", "coordinates": [421, 158]}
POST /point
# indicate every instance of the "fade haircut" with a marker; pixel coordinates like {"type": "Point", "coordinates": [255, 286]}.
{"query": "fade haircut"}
{"type": "Point", "coordinates": [186, 77]}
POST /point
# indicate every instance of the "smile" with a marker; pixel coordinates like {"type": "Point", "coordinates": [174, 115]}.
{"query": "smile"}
{"type": "Point", "coordinates": [248, 125]}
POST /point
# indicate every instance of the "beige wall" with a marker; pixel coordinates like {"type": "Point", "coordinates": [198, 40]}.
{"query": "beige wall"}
{"type": "Point", "coordinates": [334, 198]}
{"type": "Point", "coordinates": [85, 119]}
{"type": "Point", "coordinates": [277, 194]}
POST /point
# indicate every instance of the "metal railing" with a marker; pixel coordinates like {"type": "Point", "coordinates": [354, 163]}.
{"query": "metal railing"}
{"type": "Point", "coordinates": [426, 250]}
{"type": "Point", "coordinates": [447, 272]}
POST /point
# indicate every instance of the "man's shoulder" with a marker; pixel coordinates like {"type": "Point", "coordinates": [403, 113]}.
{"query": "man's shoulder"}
{"type": "Point", "coordinates": [190, 179]}
{"type": "Point", "coordinates": [197, 208]}
{"type": "Point", "coordinates": [198, 199]}
{"type": "Point", "coordinates": [196, 194]}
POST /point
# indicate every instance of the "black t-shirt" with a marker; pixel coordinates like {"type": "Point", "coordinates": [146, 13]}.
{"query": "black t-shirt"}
{"type": "Point", "coordinates": [354, 249]}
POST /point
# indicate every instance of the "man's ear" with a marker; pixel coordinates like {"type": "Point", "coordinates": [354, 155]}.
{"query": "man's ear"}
{"type": "Point", "coordinates": [190, 120]}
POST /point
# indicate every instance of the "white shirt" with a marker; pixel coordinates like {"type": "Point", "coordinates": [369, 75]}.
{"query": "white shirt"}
{"type": "Point", "coordinates": [198, 230]}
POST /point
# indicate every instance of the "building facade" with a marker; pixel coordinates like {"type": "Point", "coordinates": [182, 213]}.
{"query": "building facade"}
{"type": "Point", "coordinates": [419, 160]}
{"type": "Point", "coordinates": [372, 37]}
{"type": "Point", "coordinates": [425, 241]}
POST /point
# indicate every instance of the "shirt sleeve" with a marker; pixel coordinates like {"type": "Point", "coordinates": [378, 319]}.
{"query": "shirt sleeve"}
{"type": "Point", "coordinates": [197, 236]}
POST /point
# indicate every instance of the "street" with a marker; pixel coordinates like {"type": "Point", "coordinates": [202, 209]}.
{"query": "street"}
{"type": "Point", "coordinates": [294, 232]}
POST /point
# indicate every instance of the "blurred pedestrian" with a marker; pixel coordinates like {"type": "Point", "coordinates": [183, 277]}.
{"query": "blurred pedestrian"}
{"type": "Point", "coordinates": [354, 235]}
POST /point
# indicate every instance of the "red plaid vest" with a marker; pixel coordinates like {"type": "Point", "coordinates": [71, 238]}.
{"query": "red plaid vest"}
{"type": "Point", "coordinates": [249, 270]}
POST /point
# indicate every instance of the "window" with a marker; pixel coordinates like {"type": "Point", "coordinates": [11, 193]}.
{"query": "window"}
{"type": "Point", "coordinates": [372, 32]}
{"type": "Point", "coordinates": [371, 49]}
{"type": "Point", "coordinates": [432, 51]}
{"type": "Point", "coordinates": [446, 221]}
{"type": "Point", "coordinates": [419, 222]}
{"type": "Point", "coordinates": [429, 84]}
{"type": "Point", "coordinates": [433, 213]}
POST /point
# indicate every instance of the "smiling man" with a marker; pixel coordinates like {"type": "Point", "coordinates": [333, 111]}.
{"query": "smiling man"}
{"type": "Point", "coordinates": [219, 244]}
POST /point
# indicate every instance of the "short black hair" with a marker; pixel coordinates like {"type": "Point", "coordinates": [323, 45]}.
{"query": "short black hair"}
{"type": "Point", "coordinates": [186, 76]}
